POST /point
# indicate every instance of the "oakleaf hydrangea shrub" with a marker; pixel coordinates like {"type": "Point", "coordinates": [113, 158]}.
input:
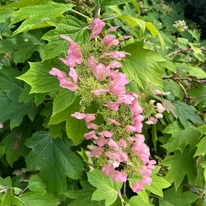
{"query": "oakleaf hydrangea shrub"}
{"type": "Point", "coordinates": [117, 143]}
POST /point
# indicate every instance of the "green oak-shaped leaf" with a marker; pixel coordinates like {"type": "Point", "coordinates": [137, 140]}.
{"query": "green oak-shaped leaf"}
{"type": "Point", "coordinates": [142, 65]}
{"type": "Point", "coordinates": [177, 198]}
{"type": "Point", "coordinates": [106, 190]}
{"type": "Point", "coordinates": [186, 112]}
{"type": "Point", "coordinates": [180, 136]}
{"type": "Point", "coordinates": [40, 15]}
{"type": "Point", "coordinates": [201, 147]}
{"type": "Point", "coordinates": [69, 26]}
{"type": "Point", "coordinates": [38, 77]}
{"type": "Point", "coordinates": [11, 89]}
{"type": "Point", "coordinates": [54, 160]}
{"type": "Point", "coordinates": [38, 199]}
{"type": "Point", "coordinates": [181, 165]}
{"type": "Point", "coordinates": [83, 196]}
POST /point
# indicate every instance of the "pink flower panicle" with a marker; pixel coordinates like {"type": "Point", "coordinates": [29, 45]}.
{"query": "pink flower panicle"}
{"type": "Point", "coordinates": [96, 28]}
{"type": "Point", "coordinates": [119, 138]}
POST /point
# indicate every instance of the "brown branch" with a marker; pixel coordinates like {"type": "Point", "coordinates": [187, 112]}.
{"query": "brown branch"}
{"type": "Point", "coordinates": [183, 51]}
{"type": "Point", "coordinates": [178, 81]}
{"type": "Point", "coordinates": [200, 81]}
{"type": "Point", "coordinates": [10, 59]}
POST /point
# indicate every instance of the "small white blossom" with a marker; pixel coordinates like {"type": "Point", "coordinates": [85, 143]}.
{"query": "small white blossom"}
{"type": "Point", "coordinates": [180, 25]}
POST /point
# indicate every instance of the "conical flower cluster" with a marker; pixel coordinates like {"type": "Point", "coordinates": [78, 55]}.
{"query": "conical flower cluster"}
{"type": "Point", "coordinates": [116, 141]}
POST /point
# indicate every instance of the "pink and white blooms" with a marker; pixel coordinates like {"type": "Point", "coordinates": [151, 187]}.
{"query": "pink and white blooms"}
{"type": "Point", "coordinates": [114, 129]}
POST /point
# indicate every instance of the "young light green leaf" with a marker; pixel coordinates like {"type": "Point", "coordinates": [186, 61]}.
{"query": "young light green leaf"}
{"type": "Point", "coordinates": [36, 184]}
{"type": "Point", "coordinates": [186, 112]}
{"type": "Point", "coordinates": [9, 199]}
{"type": "Point", "coordinates": [6, 181]}
{"type": "Point", "coordinates": [136, 200]}
{"type": "Point", "coordinates": [156, 187]}
{"type": "Point", "coordinates": [54, 160]}
{"type": "Point", "coordinates": [180, 136]}
{"type": "Point", "coordinates": [155, 33]}
{"type": "Point", "coordinates": [186, 162]}
{"type": "Point", "coordinates": [38, 199]}
{"type": "Point", "coordinates": [158, 183]}
{"type": "Point", "coordinates": [133, 21]}
{"type": "Point", "coordinates": [40, 15]}
{"type": "Point", "coordinates": [197, 72]}
{"type": "Point", "coordinates": [202, 129]}
{"type": "Point", "coordinates": [38, 77]}
{"type": "Point", "coordinates": [68, 25]}
{"type": "Point", "coordinates": [142, 65]}
{"type": "Point", "coordinates": [177, 198]}
{"type": "Point", "coordinates": [107, 189]}
{"type": "Point", "coordinates": [201, 147]}
{"type": "Point", "coordinates": [63, 99]}
{"type": "Point", "coordinates": [23, 3]}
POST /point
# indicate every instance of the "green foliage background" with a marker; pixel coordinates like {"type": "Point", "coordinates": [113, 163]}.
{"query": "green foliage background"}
{"type": "Point", "coordinates": [42, 159]}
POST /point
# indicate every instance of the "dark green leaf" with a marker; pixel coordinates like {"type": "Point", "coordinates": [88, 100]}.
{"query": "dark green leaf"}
{"type": "Point", "coordinates": [83, 197]}
{"type": "Point", "coordinates": [14, 146]}
{"type": "Point", "coordinates": [187, 112]}
{"type": "Point", "coordinates": [22, 46]}
{"type": "Point", "coordinates": [177, 198]}
{"type": "Point", "coordinates": [54, 159]}
{"type": "Point", "coordinates": [9, 105]}
{"type": "Point", "coordinates": [186, 162]}
{"type": "Point", "coordinates": [180, 136]}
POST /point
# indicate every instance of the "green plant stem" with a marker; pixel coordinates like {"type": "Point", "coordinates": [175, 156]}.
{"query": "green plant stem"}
{"type": "Point", "coordinates": [80, 14]}
{"type": "Point", "coordinates": [109, 18]}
